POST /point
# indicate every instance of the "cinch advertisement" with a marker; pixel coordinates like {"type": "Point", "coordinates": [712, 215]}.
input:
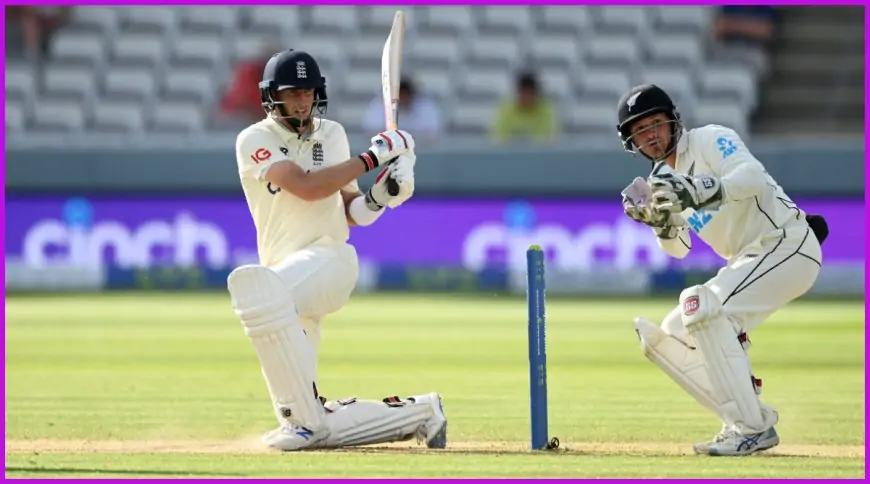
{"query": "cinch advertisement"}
{"type": "Point", "coordinates": [474, 234]}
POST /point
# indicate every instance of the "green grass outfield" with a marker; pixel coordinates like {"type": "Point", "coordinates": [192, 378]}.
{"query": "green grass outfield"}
{"type": "Point", "coordinates": [168, 385]}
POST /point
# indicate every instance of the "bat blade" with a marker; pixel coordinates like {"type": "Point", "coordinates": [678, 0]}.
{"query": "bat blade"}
{"type": "Point", "coordinates": [391, 74]}
{"type": "Point", "coordinates": [391, 70]}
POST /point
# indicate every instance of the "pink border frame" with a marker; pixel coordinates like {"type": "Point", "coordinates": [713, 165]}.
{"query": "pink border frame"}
{"type": "Point", "coordinates": [442, 2]}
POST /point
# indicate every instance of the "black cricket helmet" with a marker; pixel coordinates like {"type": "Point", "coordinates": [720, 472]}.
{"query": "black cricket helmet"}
{"type": "Point", "coordinates": [292, 69]}
{"type": "Point", "coordinates": [640, 102]}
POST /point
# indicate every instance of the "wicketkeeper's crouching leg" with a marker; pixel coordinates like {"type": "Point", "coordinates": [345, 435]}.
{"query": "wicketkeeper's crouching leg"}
{"type": "Point", "coordinates": [260, 299]}
{"type": "Point", "coordinates": [709, 361]}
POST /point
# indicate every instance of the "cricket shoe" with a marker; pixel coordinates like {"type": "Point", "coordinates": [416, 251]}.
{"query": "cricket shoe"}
{"type": "Point", "coordinates": [289, 437]}
{"type": "Point", "coordinates": [730, 442]}
{"type": "Point", "coordinates": [434, 431]}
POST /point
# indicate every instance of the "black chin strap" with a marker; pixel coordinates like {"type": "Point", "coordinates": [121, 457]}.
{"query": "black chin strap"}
{"type": "Point", "coordinates": [300, 126]}
{"type": "Point", "coordinates": [297, 123]}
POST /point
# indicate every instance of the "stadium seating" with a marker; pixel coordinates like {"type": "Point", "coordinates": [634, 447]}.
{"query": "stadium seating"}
{"type": "Point", "coordinates": [163, 69]}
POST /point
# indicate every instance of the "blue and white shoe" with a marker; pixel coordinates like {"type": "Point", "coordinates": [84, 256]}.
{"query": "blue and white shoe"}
{"type": "Point", "coordinates": [730, 442]}
{"type": "Point", "coordinates": [434, 431]}
{"type": "Point", "coordinates": [289, 438]}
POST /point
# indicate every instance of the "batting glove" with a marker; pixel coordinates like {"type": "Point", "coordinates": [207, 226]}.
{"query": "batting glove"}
{"type": "Point", "coordinates": [386, 147]}
{"type": "Point", "coordinates": [402, 172]}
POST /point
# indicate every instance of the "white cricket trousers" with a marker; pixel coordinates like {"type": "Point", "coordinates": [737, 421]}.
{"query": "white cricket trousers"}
{"type": "Point", "coordinates": [320, 279]}
{"type": "Point", "coordinates": [762, 279]}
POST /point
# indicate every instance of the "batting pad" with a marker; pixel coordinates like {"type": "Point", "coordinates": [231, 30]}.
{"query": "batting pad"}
{"type": "Point", "coordinates": [362, 422]}
{"type": "Point", "coordinates": [678, 361]}
{"type": "Point", "coordinates": [727, 364]}
{"type": "Point", "coordinates": [262, 302]}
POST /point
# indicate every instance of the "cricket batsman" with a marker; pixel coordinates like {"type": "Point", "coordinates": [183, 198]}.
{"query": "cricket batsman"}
{"type": "Point", "coordinates": [300, 183]}
{"type": "Point", "coordinates": [705, 180]}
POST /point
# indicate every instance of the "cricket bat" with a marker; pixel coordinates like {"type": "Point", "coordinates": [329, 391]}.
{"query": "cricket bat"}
{"type": "Point", "coordinates": [391, 73]}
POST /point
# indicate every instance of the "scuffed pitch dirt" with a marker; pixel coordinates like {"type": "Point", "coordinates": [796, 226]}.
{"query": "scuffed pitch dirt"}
{"type": "Point", "coordinates": [609, 448]}
{"type": "Point", "coordinates": [253, 445]}
{"type": "Point", "coordinates": [247, 445]}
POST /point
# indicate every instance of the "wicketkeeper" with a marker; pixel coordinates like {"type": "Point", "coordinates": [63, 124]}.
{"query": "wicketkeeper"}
{"type": "Point", "coordinates": [706, 181]}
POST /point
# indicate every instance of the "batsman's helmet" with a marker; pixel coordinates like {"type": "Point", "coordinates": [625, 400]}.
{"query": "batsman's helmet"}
{"type": "Point", "coordinates": [292, 69]}
{"type": "Point", "coordinates": [640, 102]}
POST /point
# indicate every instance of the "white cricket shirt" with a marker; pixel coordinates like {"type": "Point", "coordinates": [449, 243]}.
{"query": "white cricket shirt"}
{"type": "Point", "coordinates": [755, 205]}
{"type": "Point", "coordinates": [284, 222]}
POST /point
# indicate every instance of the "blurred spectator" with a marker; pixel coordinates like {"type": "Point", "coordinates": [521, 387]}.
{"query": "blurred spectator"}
{"type": "Point", "coordinates": [241, 102]}
{"type": "Point", "coordinates": [417, 113]}
{"type": "Point", "coordinates": [30, 28]}
{"type": "Point", "coordinates": [745, 24]}
{"type": "Point", "coordinates": [528, 115]}
{"type": "Point", "coordinates": [745, 34]}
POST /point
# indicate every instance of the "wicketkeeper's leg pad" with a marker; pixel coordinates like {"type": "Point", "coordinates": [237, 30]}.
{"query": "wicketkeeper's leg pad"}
{"type": "Point", "coordinates": [261, 300]}
{"type": "Point", "coordinates": [729, 371]}
{"type": "Point", "coordinates": [678, 361]}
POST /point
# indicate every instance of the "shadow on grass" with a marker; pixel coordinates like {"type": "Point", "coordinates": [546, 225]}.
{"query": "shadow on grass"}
{"type": "Point", "coordinates": [567, 451]}
{"type": "Point", "coordinates": [81, 470]}
{"type": "Point", "coordinates": [406, 451]}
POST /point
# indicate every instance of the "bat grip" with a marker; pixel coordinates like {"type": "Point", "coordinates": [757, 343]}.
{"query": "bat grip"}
{"type": "Point", "coordinates": [392, 185]}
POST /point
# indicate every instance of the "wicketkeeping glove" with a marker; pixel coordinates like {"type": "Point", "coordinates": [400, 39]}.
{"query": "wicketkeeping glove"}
{"type": "Point", "coordinates": [674, 193]}
{"type": "Point", "coordinates": [670, 226]}
{"type": "Point", "coordinates": [636, 200]}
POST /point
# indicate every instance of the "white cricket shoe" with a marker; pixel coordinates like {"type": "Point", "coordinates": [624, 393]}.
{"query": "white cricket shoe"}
{"type": "Point", "coordinates": [730, 442]}
{"type": "Point", "coordinates": [434, 431]}
{"type": "Point", "coordinates": [289, 438]}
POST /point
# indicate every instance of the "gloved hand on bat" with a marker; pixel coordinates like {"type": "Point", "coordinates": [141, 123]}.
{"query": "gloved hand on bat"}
{"type": "Point", "coordinates": [400, 172]}
{"type": "Point", "coordinates": [387, 147]}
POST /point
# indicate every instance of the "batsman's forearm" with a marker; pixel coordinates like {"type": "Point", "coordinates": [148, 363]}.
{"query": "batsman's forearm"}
{"type": "Point", "coordinates": [323, 183]}
{"type": "Point", "coordinates": [361, 213]}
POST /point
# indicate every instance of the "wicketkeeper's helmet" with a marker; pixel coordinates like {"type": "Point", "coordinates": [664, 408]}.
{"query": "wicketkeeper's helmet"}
{"type": "Point", "coordinates": [640, 102]}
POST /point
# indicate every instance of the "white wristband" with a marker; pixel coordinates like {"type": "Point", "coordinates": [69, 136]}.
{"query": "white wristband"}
{"type": "Point", "coordinates": [362, 214]}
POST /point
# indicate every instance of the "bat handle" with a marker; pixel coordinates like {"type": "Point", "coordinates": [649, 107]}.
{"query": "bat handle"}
{"type": "Point", "coordinates": [392, 185]}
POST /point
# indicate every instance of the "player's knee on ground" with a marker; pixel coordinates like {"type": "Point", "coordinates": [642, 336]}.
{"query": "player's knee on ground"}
{"type": "Point", "coordinates": [354, 422]}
